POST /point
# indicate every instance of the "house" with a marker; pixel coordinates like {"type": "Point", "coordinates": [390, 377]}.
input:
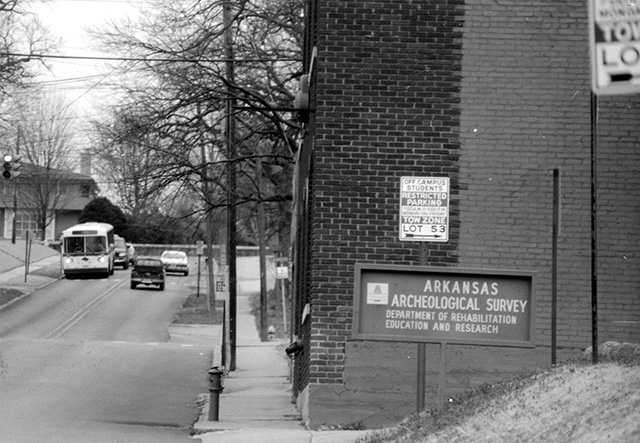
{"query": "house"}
{"type": "Point", "coordinates": [494, 97]}
{"type": "Point", "coordinates": [43, 195]}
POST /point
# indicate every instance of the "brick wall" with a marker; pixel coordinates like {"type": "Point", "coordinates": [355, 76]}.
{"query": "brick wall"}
{"type": "Point", "coordinates": [494, 96]}
{"type": "Point", "coordinates": [618, 154]}
{"type": "Point", "coordinates": [526, 110]}
{"type": "Point", "coordinates": [387, 94]}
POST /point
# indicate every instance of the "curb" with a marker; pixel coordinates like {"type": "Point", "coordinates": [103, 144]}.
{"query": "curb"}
{"type": "Point", "coordinates": [26, 292]}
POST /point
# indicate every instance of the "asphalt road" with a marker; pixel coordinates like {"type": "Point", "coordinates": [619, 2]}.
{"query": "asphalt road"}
{"type": "Point", "coordinates": [88, 360]}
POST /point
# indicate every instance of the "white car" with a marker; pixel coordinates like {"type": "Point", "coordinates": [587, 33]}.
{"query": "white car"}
{"type": "Point", "coordinates": [175, 261]}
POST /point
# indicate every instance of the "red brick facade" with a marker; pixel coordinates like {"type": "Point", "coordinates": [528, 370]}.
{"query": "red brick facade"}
{"type": "Point", "coordinates": [493, 96]}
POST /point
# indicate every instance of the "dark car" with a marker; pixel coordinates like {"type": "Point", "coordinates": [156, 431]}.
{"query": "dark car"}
{"type": "Point", "coordinates": [148, 271]}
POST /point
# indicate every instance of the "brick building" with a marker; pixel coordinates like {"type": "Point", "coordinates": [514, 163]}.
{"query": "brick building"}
{"type": "Point", "coordinates": [494, 96]}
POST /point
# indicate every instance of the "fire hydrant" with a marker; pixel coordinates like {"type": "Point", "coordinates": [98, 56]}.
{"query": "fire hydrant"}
{"type": "Point", "coordinates": [215, 388]}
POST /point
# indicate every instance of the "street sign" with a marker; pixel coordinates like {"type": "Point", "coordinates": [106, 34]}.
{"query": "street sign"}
{"type": "Point", "coordinates": [282, 272]}
{"type": "Point", "coordinates": [424, 209]}
{"type": "Point", "coordinates": [444, 305]}
{"type": "Point", "coordinates": [614, 42]}
{"type": "Point", "coordinates": [222, 280]}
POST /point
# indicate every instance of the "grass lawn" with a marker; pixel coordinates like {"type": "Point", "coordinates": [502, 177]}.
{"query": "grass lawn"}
{"type": "Point", "coordinates": [8, 294]}
{"type": "Point", "coordinates": [196, 311]}
{"type": "Point", "coordinates": [274, 313]}
{"type": "Point", "coordinates": [576, 402]}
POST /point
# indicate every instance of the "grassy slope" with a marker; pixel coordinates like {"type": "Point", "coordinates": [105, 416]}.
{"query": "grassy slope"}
{"type": "Point", "coordinates": [573, 403]}
{"type": "Point", "coordinates": [13, 255]}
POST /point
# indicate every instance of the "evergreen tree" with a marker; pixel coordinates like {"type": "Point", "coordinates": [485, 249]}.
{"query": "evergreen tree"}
{"type": "Point", "coordinates": [103, 211]}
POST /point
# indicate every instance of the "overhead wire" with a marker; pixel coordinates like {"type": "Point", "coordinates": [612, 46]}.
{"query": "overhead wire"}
{"type": "Point", "coordinates": [148, 59]}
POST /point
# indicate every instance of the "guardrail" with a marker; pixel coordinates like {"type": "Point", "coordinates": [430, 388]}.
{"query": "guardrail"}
{"type": "Point", "coordinates": [156, 250]}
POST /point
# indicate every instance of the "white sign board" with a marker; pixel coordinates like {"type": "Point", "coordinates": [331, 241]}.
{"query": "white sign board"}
{"type": "Point", "coordinates": [282, 272]}
{"type": "Point", "coordinates": [222, 280]}
{"type": "Point", "coordinates": [424, 209]}
{"type": "Point", "coordinates": [614, 40]}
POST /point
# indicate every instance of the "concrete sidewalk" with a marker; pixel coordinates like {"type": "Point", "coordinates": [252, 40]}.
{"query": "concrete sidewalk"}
{"type": "Point", "coordinates": [17, 274]}
{"type": "Point", "coordinates": [256, 404]}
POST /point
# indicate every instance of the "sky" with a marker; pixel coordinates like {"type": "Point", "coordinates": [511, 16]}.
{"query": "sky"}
{"type": "Point", "coordinates": [68, 20]}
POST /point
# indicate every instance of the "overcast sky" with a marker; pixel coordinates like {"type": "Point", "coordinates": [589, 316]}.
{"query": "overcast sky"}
{"type": "Point", "coordinates": [68, 19]}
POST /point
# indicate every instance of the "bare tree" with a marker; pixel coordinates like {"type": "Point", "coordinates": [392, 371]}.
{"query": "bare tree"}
{"type": "Point", "coordinates": [177, 85]}
{"type": "Point", "coordinates": [46, 145]}
{"type": "Point", "coordinates": [121, 148]}
{"type": "Point", "coordinates": [22, 40]}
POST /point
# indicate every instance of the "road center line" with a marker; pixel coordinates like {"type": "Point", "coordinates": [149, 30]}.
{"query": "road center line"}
{"type": "Point", "coordinates": [64, 327]}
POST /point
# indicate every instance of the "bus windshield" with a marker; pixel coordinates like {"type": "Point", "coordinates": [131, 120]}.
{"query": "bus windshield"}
{"type": "Point", "coordinates": [85, 245]}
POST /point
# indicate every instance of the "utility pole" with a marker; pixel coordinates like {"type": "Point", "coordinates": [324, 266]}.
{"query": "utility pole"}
{"type": "Point", "coordinates": [594, 228]}
{"type": "Point", "coordinates": [14, 221]}
{"type": "Point", "coordinates": [263, 266]}
{"type": "Point", "coordinates": [231, 183]}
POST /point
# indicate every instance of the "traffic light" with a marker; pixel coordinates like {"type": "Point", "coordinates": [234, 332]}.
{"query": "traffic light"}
{"type": "Point", "coordinates": [6, 165]}
{"type": "Point", "coordinates": [10, 166]}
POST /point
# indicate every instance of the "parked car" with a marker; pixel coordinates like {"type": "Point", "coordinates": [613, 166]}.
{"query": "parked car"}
{"type": "Point", "coordinates": [133, 255]}
{"type": "Point", "coordinates": [148, 271]}
{"type": "Point", "coordinates": [121, 253]}
{"type": "Point", "coordinates": [175, 261]}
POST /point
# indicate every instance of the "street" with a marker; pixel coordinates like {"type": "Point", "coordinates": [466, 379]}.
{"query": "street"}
{"type": "Point", "coordinates": [88, 360]}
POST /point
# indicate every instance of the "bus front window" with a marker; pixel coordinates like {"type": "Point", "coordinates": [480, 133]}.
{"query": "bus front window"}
{"type": "Point", "coordinates": [96, 245]}
{"type": "Point", "coordinates": [74, 245]}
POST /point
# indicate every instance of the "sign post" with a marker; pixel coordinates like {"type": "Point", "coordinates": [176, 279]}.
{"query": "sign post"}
{"type": "Point", "coordinates": [614, 40]}
{"type": "Point", "coordinates": [424, 217]}
{"type": "Point", "coordinates": [282, 274]}
{"type": "Point", "coordinates": [199, 251]}
{"type": "Point", "coordinates": [424, 209]}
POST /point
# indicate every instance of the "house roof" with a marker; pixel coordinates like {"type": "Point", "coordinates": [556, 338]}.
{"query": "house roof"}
{"type": "Point", "coordinates": [31, 170]}
{"type": "Point", "coordinates": [30, 173]}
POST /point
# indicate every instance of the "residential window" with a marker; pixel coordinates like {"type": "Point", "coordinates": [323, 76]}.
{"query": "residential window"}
{"type": "Point", "coordinates": [85, 191]}
{"type": "Point", "coordinates": [25, 221]}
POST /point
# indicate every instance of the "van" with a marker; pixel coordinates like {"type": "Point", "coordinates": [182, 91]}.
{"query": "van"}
{"type": "Point", "coordinates": [121, 252]}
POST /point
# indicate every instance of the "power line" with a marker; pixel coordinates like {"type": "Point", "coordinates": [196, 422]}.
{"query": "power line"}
{"type": "Point", "coordinates": [110, 1]}
{"type": "Point", "coordinates": [148, 59]}
{"type": "Point", "coordinates": [69, 80]}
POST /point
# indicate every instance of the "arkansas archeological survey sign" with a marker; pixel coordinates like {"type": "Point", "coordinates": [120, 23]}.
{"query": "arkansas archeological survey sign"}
{"type": "Point", "coordinates": [444, 305]}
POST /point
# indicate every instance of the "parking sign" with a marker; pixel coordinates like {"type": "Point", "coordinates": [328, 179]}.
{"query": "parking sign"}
{"type": "Point", "coordinates": [424, 209]}
{"type": "Point", "coordinates": [614, 41]}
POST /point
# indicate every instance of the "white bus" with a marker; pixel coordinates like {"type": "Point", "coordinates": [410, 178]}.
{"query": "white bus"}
{"type": "Point", "coordinates": [88, 248]}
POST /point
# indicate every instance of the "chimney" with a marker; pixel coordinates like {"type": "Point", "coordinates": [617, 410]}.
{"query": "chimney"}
{"type": "Point", "coordinates": [85, 163]}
